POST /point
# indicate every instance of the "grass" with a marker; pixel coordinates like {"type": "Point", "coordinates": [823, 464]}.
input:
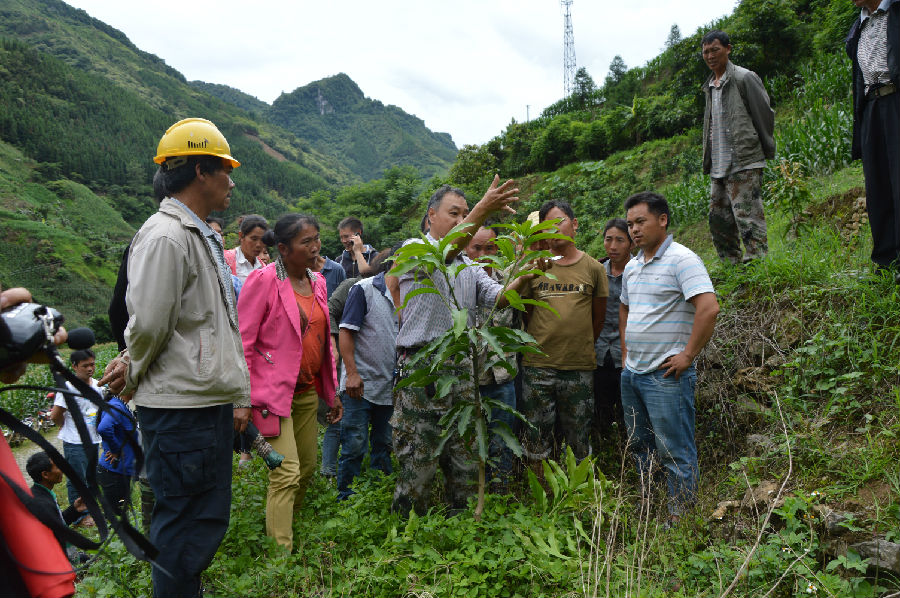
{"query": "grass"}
{"type": "Point", "coordinates": [834, 377]}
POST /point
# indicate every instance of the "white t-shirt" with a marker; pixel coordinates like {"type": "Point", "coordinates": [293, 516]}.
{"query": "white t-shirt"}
{"type": "Point", "coordinates": [68, 432]}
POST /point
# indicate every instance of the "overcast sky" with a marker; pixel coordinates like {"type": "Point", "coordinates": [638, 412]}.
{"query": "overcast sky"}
{"type": "Point", "coordinates": [465, 67]}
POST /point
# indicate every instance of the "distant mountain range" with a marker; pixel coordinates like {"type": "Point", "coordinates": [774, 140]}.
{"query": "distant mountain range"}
{"type": "Point", "coordinates": [336, 117]}
{"type": "Point", "coordinates": [82, 109]}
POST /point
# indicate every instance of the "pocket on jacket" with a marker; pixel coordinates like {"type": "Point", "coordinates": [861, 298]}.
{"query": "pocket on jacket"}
{"type": "Point", "coordinates": [188, 459]}
{"type": "Point", "coordinates": [205, 357]}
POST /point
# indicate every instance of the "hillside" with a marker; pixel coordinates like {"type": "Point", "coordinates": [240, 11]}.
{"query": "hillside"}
{"type": "Point", "coordinates": [335, 115]}
{"type": "Point", "coordinates": [84, 108]}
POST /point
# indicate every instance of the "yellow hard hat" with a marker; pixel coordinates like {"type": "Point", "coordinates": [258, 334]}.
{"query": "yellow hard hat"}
{"type": "Point", "coordinates": [193, 137]}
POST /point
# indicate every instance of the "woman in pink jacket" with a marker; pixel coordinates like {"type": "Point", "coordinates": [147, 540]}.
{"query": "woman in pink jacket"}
{"type": "Point", "coordinates": [283, 312]}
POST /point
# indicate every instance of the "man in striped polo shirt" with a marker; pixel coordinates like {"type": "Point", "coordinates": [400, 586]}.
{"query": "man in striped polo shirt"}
{"type": "Point", "coordinates": [667, 314]}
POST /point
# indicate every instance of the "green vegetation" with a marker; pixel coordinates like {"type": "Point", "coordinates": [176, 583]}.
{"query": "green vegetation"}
{"type": "Point", "coordinates": [476, 349]}
{"type": "Point", "coordinates": [798, 387]}
{"type": "Point", "coordinates": [61, 241]}
{"type": "Point", "coordinates": [662, 98]}
{"type": "Point", "coordinates": [83, 110]}
{"type": "Point", "coordinates": [389, 208]}
{"type": "Point", "coordinates": [335, 116]}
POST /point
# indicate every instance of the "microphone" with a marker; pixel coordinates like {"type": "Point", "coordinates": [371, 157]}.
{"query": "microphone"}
{"type": "Point", "coordinates": [81, 338]}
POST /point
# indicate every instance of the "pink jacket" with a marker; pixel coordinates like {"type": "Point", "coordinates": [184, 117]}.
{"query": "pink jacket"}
{"type": "Point", "coordinates": [231, 260]}
{"type": "Point", "coordinates": [270, 331]}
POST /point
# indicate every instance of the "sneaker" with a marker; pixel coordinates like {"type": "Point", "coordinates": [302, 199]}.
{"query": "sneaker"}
{"type": "Point", "coordinates": [269, 455]}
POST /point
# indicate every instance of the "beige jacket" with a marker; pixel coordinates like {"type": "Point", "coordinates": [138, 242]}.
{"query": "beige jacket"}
{"type": "Point", "coordinates": [185, 347]}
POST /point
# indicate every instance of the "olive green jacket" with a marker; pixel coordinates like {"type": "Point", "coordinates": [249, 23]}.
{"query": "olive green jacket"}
{"type": "Point", "coordinates": [749, 118]}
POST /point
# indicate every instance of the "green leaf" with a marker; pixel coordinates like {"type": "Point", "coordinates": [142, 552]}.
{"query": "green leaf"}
{"type": "Point", "coordinates": [465, 419]}
{"type": "Point", "coordinates": [514, 299]}
{"type": "Point", "coordinates": [419, 291]}
{"type": "Point", "coordinates": [551, 478]}
{"type": "Point", "coordinates": [491, 338]}
{"type": "Point", "coordinates": [443, 385]}
{"type": "Point", "coordinates": [460, 321]}
{"type": "Point", "coordinates": [506, 248]}
{"type": "Point", "coordinates": [481, 438]}
{"type": "Point", "coordinates": [502, 430]}
{"type": "Point", "coordinates": [419, 377]}
{"type": "Point", "coordinates": [537, 491]}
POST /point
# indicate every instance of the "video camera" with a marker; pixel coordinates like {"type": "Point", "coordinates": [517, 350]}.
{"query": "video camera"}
{"type": "Point", "coordinates": [26, 329]}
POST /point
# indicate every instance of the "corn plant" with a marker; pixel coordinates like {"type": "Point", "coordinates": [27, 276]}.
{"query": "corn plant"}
{"type": "Point", "coordinates": [465, 344]}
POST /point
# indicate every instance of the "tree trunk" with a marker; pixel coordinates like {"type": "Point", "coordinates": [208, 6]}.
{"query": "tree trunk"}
{"type": "Point", "coordinates": [479, 508]}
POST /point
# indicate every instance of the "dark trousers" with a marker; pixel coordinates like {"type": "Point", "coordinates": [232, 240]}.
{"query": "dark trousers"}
{"type": "Point", "coordinates": [188, 454]}
{"type": "Point", "coordinates": [880, 140]}
{"type": "Point", "coordinates": [608, 399]}
{"type": "Point", "coordinates": [356, 438]}
{"type": "Point", "coordinates": [78, 457]}
{"type": "Point", "coordinates": [116, 488]}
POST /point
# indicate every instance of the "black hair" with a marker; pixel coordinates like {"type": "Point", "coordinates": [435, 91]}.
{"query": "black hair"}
{"type": "Point", "coordinates": [37, 464]}
{"type": "Point", "coordinates": [159, 185]}
{"type": "Point", "coordinates": [714, 35]}
{"type": "Point", "coordinates": [287, 228]}
{"type": "Point", "coordinates": [656, 204]}
{"type": "Point", "coordinates": [618, 223]}
{"type": "Point", "coordinates": [170, 179]}
{"type": "Point", "coordinates": [354, 224]}
{"type": "Point", "coordinates": [437, 197]}
{"type": "Point", "coordinates": [80, 355]}
{"type": "Point", "coordinates": [555, 203]}
{"type": "Point", "coordinates": [251, 221]}
{"type": "Point", "coordinates": [380, 263]}
{"type": "Point", "coordinates": [217, 220]}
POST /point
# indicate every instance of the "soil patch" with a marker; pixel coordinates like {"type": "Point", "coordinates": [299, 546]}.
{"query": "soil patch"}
{"type": "Point", "coordinates": [267, 148]}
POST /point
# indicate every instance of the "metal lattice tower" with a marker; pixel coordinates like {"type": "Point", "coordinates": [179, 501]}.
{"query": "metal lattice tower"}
{"type": "Point", "coordinates": [569, 49]}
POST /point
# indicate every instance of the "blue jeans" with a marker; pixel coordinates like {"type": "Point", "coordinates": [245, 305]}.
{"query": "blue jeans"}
{"type": "Point", "coordinates": [659, 417]}
{"type": "Point", "coordinates": [189, 467]}
{"type": "Point", "coordinates": [331, 442]}
{"type": "Point", "coordinates": [79, 460]}
{"type": "Point", "coordinates": [358, 414]}
{"type": "Point", "coordinates": [499, 453]}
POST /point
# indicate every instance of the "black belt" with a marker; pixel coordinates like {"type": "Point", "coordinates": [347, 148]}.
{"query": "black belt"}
{"type": "Point", "coordinates": [881, 91]}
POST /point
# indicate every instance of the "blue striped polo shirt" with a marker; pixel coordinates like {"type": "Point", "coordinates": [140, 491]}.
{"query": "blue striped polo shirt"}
{"type": "Point", "coordinates": [660, 318]}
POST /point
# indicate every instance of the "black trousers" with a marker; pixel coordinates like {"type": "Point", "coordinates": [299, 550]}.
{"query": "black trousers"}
{"type": "Point", "coordinates": [189, 467]}
{"type": "Point", "coordinates": [116, 488]}
{"type": "Point", "coordinates": [608, 398]}
{"type": "Point", "coordinates": [880, 140]}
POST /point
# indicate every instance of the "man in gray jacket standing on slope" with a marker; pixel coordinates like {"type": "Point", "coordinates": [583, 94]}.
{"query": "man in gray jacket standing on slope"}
{"type": "Point", "coordinates": [738, 138]}
{"type": "Point", "coordinates": [185, 362]}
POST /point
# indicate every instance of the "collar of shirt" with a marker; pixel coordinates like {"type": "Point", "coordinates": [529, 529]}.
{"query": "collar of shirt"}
{"type": "Point", "coordinates": [865, 13]}
{"type": "Point", "coordinates": [240, 258]}
{"type": "Point", "coordinates": [722, 80]}
{"type": "Point", "coordinates": [659, 252]}
{"type": "Point", "coordinates": [379, 283]}
{"type": "Point", "coordinates": [204, 228]}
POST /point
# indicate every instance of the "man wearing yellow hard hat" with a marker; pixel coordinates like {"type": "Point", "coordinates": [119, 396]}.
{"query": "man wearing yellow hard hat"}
{"type": "Point", "coordinates": [184, 362]}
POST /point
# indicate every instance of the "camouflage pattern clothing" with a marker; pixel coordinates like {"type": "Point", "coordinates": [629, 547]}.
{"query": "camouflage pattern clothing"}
{"type": "Point", "coordinates": [736, 214]}
{"type": "Point", "coordinates": [560, 405]}
{"type": "Point", "coordinates": [416, 436]}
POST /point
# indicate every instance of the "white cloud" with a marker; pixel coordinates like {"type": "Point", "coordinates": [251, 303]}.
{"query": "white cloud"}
{"type": "Point", "coordinates": [464, 67]}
